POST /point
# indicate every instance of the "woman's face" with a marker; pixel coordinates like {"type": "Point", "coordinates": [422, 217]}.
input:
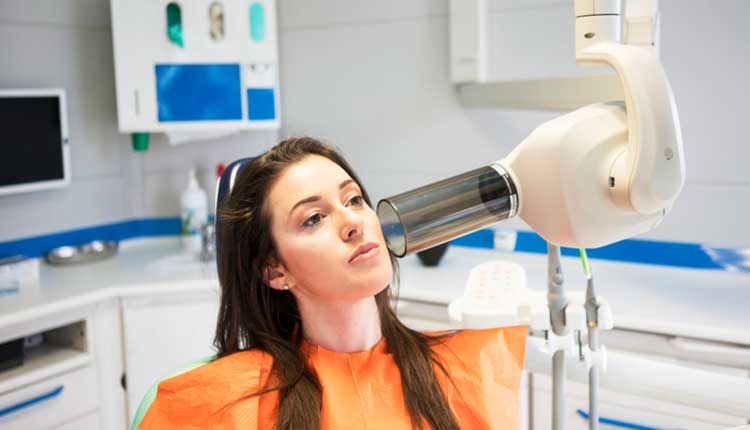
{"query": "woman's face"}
{"type": "Point", "coordinates": [319, 220]}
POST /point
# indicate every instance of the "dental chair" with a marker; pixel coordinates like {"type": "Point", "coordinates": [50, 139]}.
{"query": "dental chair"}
{"type": "Point", "coordinates": [223, 187]}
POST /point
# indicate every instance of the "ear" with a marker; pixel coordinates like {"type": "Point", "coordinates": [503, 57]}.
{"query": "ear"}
{"type": "Point", "coordinates": [276, 276]}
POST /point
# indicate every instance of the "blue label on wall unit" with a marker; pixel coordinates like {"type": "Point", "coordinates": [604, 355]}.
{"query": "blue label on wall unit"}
{"type": "Point", "coordinates": [198, 92]}
{"type": "Point", "coordinates": [260, 104]}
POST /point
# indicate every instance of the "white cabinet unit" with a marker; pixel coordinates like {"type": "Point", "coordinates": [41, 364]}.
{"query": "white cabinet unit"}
{"type": "Point", "coordinates": [64, 380]}
{"type": "Point", "coordinates": [162, 333]}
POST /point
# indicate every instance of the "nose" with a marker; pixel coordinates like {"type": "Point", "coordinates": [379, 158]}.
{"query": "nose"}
{"type": "Point", "coordinates": [352, 225]}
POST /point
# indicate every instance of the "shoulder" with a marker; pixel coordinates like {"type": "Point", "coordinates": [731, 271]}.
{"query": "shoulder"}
{"type": "Point", "coordinates": [469, 346]}
{"type": "Point", "coordinates": [480, 372]}
{"type": "Point", "coordinates": [199, 397]}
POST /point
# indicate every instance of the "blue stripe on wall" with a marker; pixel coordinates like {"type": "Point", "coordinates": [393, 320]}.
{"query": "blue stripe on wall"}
{"type": "Point", "coordinates": [690, 255]}
{"type": "Point", "coordinates": [675, 254]}
{"type": "Point", "coordinates": [38, 246]}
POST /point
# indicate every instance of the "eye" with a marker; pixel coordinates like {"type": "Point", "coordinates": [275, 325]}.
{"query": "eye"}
{"type": "Point", "coordinates": [358, 200]}
{"type": "Point", "coordinates": [308, 222]}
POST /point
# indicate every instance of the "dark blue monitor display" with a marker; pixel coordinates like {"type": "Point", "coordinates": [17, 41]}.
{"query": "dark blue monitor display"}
{"type": "Point", "coordinates": [31, 146]}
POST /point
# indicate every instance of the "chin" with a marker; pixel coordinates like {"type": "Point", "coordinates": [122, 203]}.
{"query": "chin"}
{"type": "Point", "coordinates": [385, 276]}
{"type": "Point", "coordinates": [378, 281]}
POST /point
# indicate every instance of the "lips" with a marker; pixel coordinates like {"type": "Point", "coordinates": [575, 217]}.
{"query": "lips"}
{"type": "Point", "coordinates": [362, 250]}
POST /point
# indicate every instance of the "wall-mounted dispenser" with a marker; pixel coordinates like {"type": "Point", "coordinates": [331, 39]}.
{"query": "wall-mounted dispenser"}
{"type": "Point", "coordinates": [183, 66]}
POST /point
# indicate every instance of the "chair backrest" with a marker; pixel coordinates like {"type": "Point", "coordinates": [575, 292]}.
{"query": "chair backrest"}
{"type": "Point", "coordinates": [150, 395]}
{"type": "Point", "coordinates": [224, 187]}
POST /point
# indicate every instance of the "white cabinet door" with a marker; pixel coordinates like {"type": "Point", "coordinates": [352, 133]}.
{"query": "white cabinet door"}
{"type": "Point", "coordinates": [163, 333]}
{"type": "Point", "coordinates": [86, 422]}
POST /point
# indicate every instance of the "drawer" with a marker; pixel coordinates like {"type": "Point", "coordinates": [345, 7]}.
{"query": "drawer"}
{"type": "Point", "coordinates": [621, 411]}
{"type": "Point", "coordinates": [50, 402]}
{"type": "Point", "coordinates": [730, 359]}
{"type": "Point", "coordinates": [86, 422]}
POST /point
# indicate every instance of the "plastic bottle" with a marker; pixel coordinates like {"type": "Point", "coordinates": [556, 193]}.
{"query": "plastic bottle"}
{"type": "Point", "coordinates": [193, 214]}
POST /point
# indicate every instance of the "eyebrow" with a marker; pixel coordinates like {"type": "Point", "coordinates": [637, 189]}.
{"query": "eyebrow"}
{"type": "Point", "coordinates": [316, 198]}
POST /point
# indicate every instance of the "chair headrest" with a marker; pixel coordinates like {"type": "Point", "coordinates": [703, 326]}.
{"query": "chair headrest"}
{"type": "Point", "coordinates": [226, 182]}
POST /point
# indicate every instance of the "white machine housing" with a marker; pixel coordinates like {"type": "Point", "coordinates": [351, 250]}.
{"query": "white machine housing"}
{"type": "Point", "coordinates": [607, 171]}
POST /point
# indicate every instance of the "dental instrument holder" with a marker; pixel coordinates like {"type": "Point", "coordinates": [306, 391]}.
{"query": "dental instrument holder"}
{"type": "Point", "coordinates": [597, 316]}
{"type": "Point", "coordinates": [496, 295]}
{"type": "Point", "coordinates": [557, 303]}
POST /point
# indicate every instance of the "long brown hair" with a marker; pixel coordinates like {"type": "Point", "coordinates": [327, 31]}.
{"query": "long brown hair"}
{"type": "Point", "coordinates": [255, 316]}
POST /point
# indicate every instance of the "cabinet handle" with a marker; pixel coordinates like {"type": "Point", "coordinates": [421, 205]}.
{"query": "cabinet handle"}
{"type": "Point", "coordinates": [618, 423]}
{"type": "Point", "coordinates": [32, 401]}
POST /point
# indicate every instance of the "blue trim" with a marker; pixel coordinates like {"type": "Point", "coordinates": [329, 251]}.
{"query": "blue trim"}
{"type": "Point", "coordinates": [617, 423]}
{"type": "Point", "coordinates": [38, 246]}
{"type": "Point", "coordinates": [479, 239]}
{"type": "Point", "coordinates": [30, 402]}
{"type": "Point", "coordinates": [676, 254]}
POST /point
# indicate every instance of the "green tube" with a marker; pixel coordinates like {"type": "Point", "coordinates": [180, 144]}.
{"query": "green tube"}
{"type": "Point", "coordinates": [585, 262]}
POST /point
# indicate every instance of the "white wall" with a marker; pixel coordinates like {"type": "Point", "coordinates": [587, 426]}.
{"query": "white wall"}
{"type": "Point", "coordinates": [372, 79]}
{"type": "Point", "coordinates": [68, 43]}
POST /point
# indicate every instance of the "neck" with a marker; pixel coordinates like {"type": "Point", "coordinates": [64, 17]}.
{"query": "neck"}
{"type": "Point", "coordinates": [341, 326]}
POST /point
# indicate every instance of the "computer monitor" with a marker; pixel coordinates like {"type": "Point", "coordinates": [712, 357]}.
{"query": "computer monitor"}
{"type": "Point", "coordinates": [34, 142]}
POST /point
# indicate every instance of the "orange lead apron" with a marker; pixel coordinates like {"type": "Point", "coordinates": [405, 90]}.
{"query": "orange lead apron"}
{"type": "Point", "coordinates": [361, 390]}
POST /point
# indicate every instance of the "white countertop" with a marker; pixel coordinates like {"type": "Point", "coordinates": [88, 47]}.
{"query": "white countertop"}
{"type": "Point", "coordinates": [141, 267]}
{"type": "Point", "coordinates": [703, 304]}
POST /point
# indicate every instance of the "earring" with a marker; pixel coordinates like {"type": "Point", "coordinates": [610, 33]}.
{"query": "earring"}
{"type": "Point", "coordinates": [286, 287]}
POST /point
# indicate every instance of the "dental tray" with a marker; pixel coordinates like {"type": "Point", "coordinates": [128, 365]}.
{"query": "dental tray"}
{"type": "Point", "coordinates": [92, 251]}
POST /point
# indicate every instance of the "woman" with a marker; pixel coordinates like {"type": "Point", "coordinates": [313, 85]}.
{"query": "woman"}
{"type": "Point", "coordinates": [306, 336]}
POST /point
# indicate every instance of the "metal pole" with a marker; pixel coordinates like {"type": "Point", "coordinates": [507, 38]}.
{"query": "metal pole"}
{"type": "Point", "coordinates": [592, 322]}
{"type": "Point", "coordinates": [557, 302]}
